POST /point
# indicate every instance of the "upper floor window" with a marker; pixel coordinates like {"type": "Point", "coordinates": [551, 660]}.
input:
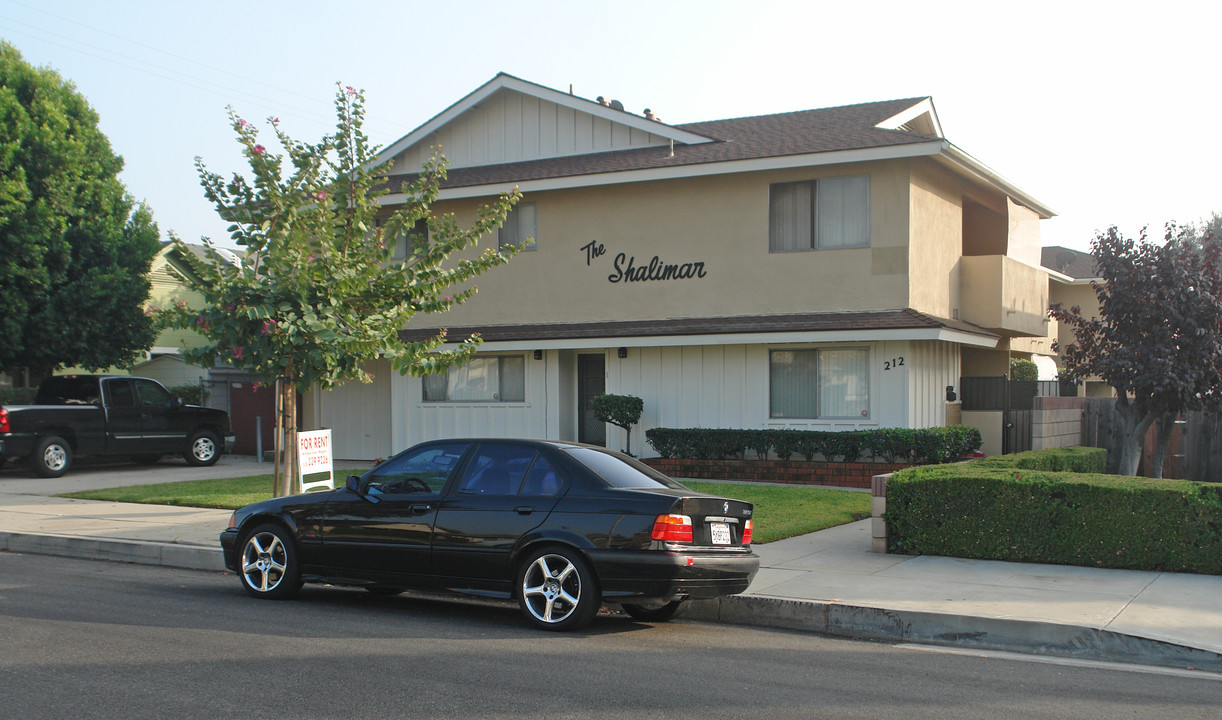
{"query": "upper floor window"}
{"type": "Point", "coordinates": [401, 245]}
{"type": "Point", "coordinates": [521, 226]}
{"type": "Point", "coordinates": [485, 378]}
{"type": "Point", "coordinates": [819, 214]}
{"type": "Point", "coordinates": [405, 243]}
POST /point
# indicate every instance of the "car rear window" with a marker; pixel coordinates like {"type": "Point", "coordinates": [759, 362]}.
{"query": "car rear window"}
{"type": "Point", "coordinates": [621, 472]}
{"type": "Point", "coordinates": [67, 390]}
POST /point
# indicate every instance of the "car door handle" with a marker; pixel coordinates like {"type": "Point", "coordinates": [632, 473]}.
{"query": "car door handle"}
{"type": "Point", "coordinates": [420, 509]}
{"type": "Point", "coordinates": [524, 509]}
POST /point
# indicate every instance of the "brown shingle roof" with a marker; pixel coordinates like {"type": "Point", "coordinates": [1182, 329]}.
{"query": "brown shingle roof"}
{"type": "Point", "coordinates": [849, 127]}
{"type": "Point", "coordinates": [804, 322]}
{"type": "Point", "coordinates": [1074, 263]}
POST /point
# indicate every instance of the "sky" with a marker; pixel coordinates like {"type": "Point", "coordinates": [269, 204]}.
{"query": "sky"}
{"type": "Point", "coordinates": [1098, 109]}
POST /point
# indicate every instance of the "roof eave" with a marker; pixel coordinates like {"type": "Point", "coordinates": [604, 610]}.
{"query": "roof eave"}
{"type": "Point", "coordinates": [720, 167]}
{"type": "Point", "coordinates": [965, 163]}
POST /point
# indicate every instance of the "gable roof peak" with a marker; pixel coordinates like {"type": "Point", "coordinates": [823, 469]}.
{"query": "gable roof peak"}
{"type": "Point", "coordinates": [504, 81]}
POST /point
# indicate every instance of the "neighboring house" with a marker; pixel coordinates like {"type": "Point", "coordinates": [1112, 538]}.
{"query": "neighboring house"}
{"type": "Point", "coordinates": [832, 269]}
{"type": "Point", "coordinates": [164, 362]}
{"type": "Point", "coordinates": [1074, 273]}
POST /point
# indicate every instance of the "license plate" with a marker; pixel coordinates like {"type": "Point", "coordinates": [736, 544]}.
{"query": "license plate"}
{"type": "Point", "coordinates": [720, 533]}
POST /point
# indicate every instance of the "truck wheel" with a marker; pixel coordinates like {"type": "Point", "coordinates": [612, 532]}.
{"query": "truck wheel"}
{"type": "Point", "coordinates": [52, 457]}
{"type": "Point", "coordinates": [202, 449]}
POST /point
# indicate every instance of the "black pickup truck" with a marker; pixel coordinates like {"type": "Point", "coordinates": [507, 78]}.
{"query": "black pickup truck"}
{"type": "Point", "coordinates": [76, 415]}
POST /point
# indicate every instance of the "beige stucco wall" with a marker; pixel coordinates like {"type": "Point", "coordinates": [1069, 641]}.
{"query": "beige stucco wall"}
{"type": "Point", "coordinates": [1023, 240]}
{"type": "Point", "coordinates": [1070, 295]}
{"type": "Point", "coordinates": [1002, 293]}
{"type": "Point", "coordinates": [989, 423]}
{"type": "Point", "coordinates": [721, 221]}
{"type": "Point", "coordinates": [936, 207]}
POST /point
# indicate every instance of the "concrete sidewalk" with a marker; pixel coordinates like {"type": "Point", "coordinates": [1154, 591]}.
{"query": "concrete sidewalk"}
{"type": "Point", "coordinates": [827, 582]}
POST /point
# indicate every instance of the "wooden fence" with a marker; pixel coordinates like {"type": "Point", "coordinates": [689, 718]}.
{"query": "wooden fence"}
{"type": "Point", "coordinates": [1195, 452]}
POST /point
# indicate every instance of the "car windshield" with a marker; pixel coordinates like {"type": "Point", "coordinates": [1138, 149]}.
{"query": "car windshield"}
{"type": "Point", "coordinates": [621, 472]}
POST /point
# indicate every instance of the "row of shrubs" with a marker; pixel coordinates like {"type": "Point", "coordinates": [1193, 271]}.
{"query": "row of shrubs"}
{"type": "Point", "coordinates": [1055, 506]}
{"type": "Point", "coordinates": [17, 396]}
{"type": "Point", "coordinates": [892, 445]}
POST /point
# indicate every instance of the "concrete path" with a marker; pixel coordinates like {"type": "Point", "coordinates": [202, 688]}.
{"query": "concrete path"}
{"type": "Point", "coordinates": [827, 582]}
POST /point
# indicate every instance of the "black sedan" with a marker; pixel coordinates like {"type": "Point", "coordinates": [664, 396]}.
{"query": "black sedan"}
{"type": "Point", "coordinates": [559, 526]}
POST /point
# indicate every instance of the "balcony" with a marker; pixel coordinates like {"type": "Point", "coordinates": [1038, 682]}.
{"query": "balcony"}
{"type": "Point", "coordinates": [1004, 295]}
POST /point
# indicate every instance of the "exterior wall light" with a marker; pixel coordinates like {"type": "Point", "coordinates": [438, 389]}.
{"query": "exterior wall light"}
{"type": "Point", "coordinates": [622, 352]}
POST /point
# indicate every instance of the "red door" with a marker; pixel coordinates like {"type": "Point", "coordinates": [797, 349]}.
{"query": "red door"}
{"type": "Point", "coordinates": [248, 401]}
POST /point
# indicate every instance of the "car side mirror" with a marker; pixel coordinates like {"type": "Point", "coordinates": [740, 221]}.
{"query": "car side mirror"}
{"type": "Point", "coordinates": [177, 402]}
{"type": "Point", "coordinates": [353, 484]}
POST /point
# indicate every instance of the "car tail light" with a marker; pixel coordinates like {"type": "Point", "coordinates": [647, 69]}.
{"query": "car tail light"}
{"type": "Point", "coordinates": [747, 533]}
{"type": "Point", "coordinates": [672, 528]}
{"type": "Point", "coordinates": [4, 428]}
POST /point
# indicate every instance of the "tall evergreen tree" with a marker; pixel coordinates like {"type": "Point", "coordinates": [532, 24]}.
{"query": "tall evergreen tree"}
{"type": "Point", "coordinates": [75, 248]}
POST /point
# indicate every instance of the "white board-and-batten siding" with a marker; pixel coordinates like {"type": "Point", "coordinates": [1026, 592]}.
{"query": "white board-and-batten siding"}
{"type": "Point", "coordinates": [511, 127]}
{"type": "Point", "coordinates": [714, 386]}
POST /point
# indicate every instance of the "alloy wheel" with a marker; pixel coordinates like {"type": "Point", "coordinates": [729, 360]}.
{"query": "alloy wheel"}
{"type": "Point", "coordinates": [551, 588]}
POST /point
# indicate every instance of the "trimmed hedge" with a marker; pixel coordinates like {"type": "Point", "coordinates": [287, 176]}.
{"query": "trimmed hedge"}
{"type": "Point", "coordinates": [1067, 459]}
{"type": "Point", "coordinates": [895, 445]}
{"type": "Point", "coordinates": [986, 511]}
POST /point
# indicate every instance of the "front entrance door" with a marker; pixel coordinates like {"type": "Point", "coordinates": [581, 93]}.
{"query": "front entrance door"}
{"type": "Point", "coordinates": [591, 381]}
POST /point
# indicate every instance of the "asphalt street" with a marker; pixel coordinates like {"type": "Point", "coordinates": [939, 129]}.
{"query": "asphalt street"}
{"type": "Point", "coordinates": [107, 640]}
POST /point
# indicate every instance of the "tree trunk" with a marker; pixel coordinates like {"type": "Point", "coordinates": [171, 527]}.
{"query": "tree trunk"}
{"type": "Point", "coordinates": [627, 439]}
{"type": "Point", "coordinates": [1134, 425]}
{"type": "Point", "coordinates": [286, 435]}
{"type": "Point", "coordinates": [1166, 423]}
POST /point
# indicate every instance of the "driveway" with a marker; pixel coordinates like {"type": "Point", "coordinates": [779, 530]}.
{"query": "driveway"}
{"type": "Point", "coordinates": [87, 474]}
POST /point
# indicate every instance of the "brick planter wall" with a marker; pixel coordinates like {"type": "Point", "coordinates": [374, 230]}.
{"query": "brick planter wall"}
{"type": "Point", "coordinates": [853, 475]}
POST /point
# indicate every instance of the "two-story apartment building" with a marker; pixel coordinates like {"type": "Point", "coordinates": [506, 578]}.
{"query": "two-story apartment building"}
{"type": "Point", "coordinates": [836, 268]}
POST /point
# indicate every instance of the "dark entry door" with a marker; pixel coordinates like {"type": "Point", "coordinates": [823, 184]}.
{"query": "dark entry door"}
{"type": "Point", "coordinates": [591, 381]}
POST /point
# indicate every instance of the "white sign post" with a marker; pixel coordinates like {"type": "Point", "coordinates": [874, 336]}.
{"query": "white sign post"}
{"type": "Point", "coordinates": [314, 457]}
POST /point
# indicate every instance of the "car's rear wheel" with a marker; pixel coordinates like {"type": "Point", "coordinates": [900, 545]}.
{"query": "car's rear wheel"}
{"type": "Point", "coordinates": [202, 449]}
{"type": "Point", "coordinates": [268, 566]}
{"type": "Point", "coordinates": [653, 611]}
{"type": "Point", "coordinates": [557, 590]}
{"type": "Point", "coordinates": [52, 457]}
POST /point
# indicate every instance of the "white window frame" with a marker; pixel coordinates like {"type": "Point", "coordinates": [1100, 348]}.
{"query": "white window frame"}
{"type": "Point", "coordinates": [497, 398]}
{"type": "Point", "coordinates": [818, 414]}
{"type": "Point", "coordinates": [818, 214]}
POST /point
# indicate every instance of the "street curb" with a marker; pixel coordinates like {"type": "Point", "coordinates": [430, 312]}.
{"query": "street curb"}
{"type": "Point", "coordinates": [189, 557]}
{"type": "Point", "coordinates": [960, 631]}
{"type": "Point", "coordinates": [825, 618]}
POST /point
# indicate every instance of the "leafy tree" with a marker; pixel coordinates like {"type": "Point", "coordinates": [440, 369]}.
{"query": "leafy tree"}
{"type": "Point", "coordinates": [1023, 370]}
{"type": "Point", "coordinates": [75, 249]}
{"type": "Point", "coordinates": [319, 290]}
{"type": "Point", "coordinates": [620, 410]}
{"type": "Point", "coordinates": [1158, 337]}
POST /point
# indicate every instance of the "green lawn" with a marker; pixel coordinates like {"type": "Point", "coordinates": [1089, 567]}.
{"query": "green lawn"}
{"type": "Point", "coordinates": [783, 511]}
{"type": "Point", "coordinates": [780, 511]}
{"type": "Point", "coordinates": [227, 494]}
